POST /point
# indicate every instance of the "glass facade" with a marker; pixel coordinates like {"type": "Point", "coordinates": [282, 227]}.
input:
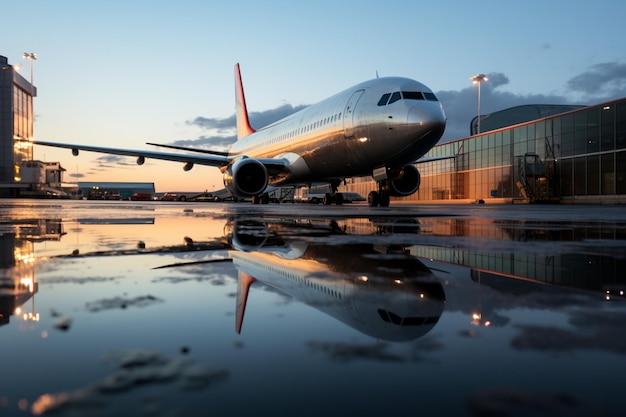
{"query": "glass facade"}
{"type": "Point", "coordinates": [574, 156]}
{"type": "Point", "coordinates": [16, 123]}
{"type": "Point", "coordinates": [23, 122]}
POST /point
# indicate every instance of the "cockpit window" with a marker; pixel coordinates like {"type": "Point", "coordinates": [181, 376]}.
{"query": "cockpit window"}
{"type": "Point", "coordinates": [391, 317]}
{"type": "Point", "coordinates": [383, 100]}
{"type": "Point", "coordinates": [430, 97]}
{"type": "Point", "coordinates": [395, 97]}
{"type": "Point", "coordinates": [412, 95]}
{"type": "Point", "coordinates": [389, 98]}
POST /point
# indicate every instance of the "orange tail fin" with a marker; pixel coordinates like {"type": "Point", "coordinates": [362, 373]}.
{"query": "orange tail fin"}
{"type": "Point", "coordinates": [243, 123]}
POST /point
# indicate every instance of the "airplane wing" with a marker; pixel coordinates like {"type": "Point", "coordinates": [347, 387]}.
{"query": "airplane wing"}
{"type": "Point", "coordinates": [200, 159]}
{"type": "Point", "coordinates": [275, 167]}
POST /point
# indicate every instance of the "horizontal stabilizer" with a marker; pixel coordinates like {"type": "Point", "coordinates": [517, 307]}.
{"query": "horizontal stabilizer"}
{"type": "Point", "coordinates": [183, 148]}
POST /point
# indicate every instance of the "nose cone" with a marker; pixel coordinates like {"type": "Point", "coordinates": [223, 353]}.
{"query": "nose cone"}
{"type": "Point", "coordinates": [427, 118]}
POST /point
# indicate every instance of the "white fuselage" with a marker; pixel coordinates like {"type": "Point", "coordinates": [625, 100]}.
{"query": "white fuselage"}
{"type": "Point", "coordinates": [351, 133]}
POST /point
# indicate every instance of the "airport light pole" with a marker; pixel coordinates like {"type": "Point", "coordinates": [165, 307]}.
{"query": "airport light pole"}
{"type": "Point", "coordinates": [31, 56]}
{"type": "Point", "coordinates": [477, 79]}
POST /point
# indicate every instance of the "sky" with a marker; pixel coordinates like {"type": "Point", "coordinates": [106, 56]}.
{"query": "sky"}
{"type": "Point", "coordinates": [121, 73]}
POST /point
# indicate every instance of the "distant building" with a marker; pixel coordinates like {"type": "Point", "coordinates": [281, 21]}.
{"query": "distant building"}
{"type": "Point", "coordinates": [116, 190]}
{"type": "Point", "coordinates": [516, 115]}
{"type": "Point", "coordinates": [44, 180]}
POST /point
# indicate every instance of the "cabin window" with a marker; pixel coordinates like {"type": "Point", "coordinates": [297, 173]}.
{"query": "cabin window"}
{"type": "Point", "coordinates": [383, 100]}
{"type": "Point", "coordinates": [395, 97]}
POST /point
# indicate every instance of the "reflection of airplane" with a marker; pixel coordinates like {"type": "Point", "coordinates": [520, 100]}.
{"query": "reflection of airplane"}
{"type": "Point", "coordinates": [378, 128]}
{"type": "Point", "coordinates": [381, 291]}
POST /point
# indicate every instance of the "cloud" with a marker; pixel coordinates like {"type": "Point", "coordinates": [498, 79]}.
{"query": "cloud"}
{"type": "Point", "coordinates": [76, 175]}
{"type": "Point", "coordinates": [461, 106]}
{"type": "Point", "coordinates": [257, 119]}
{"type": "Point", "coordinates": [607, 79]}
{"type": "Point", "coordinates": [207, 142]}
{"type": "Point", "coordinates": [111, 161]}
{"type": "Point", "coordinates": [226, 127]}
{"type": "Point", "coordinates": [598, 83]}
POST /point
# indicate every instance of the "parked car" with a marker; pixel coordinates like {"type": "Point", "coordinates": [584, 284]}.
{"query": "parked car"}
{"type": "Point", "coordinates": [170, 197]}
{"type": "Point", "coordinates": [207, 197]}
{"type": "Point", "coordinates": [141, 197]}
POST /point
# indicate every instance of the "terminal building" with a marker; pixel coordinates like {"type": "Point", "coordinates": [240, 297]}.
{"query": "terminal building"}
{"type": "Point", "coordinates": [529, 154]}
{"type": "Point", "coordinates": [16, 124]}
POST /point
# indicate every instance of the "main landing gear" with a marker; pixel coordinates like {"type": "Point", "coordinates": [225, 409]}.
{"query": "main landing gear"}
{"type": "Point", "coordinates": [378, 198]}
{"type": "Point", "coordinates": [261, 199]}
{"type": "Point", "coordinates": [333, 196]}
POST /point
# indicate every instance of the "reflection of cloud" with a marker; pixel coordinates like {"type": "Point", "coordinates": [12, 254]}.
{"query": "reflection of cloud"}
{"type": "Point", "coordinates": [426, 344]}
{"type": "Point", "coordinates": [594, 330]}
{"type": "Point", "coordinates": [505, 402]}
{"type": "Point", "coordinates": [122, 303]}
{"type": "Point", "coordinates": [348, 352]}
{"type": "Point", "coordinates": [77, 280]}
{"type": "Point", "coordinates": [134, 369]}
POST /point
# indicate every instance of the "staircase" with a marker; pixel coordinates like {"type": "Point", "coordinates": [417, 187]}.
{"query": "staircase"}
{"type": "Point", "coordinates": [536, 179]}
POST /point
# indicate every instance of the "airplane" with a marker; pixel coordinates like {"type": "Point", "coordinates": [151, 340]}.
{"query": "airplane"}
{"type": "Point", "coordinates": [379, 127]}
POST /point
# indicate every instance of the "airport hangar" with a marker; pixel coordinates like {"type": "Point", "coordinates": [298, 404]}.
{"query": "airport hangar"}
{"type": "Point", "coordinates": [536, 153]}
{"type": "Point", "coordinates": [528, 154]}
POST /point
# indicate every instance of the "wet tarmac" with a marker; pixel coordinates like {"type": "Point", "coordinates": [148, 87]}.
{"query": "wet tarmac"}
{"type": "Point", "coordinates": [199, 309]}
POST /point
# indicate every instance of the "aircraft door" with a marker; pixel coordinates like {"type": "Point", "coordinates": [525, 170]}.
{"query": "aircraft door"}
{"type": "Point", "coordinates": [348, 113]}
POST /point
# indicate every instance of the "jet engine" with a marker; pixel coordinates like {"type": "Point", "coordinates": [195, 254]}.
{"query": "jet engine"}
{"type": "Point", "coordinates": [403, 182]}
{"type": "Point", "coordinates": [248, 235]}
{"type": "Point", "coordinates": [246, 177]}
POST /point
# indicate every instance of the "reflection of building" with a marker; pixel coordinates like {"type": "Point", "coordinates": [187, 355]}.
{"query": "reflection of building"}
{"type": "Point", "coordinates": [17, 284]}
{"type": "Point", "coordinates": [597, 268]}
{"type": "Point", "coordinates": [17, 267]}
{"type": "Point", "coordinates": [578, 156]}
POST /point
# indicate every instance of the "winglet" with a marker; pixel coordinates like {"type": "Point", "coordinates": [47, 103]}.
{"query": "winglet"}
{"type": "Point", "coordinates": [243, 123]}
{"type": "Point", "coordinates": [243, 287]}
